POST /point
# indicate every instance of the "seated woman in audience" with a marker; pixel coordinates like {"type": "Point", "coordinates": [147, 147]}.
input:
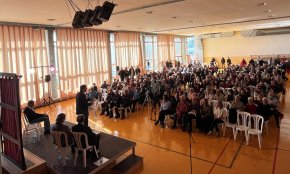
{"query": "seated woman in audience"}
{"type": "Point", "coordinates": [181, 110]}
{"type": "Point", "coordinates": [236, 106]}
{"type": "Point", "coordinates": [193, 113]}
{"type": "Point", "coordinates": [218, 95]}
{"type": "Point", "coordinates": [165, 109]}
{"type": "Point", "coordinates": [219, 113]}
{"type": "Point", "coordinates": [229, 97]}
{"type": "Point", "coordinates": [251, 107]}
{"type": "Point", "coordinates": [93, 93]}
{"type": "Point", "coordinates": [266, 111]}
{"type": "Point", "coordinates": [59, 126]}
{"type": "Point", "coordinates": [206, 116]}
{"type": "Point", "coordinates": [136, 98]}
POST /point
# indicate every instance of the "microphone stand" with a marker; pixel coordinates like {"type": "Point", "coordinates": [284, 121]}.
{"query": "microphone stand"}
{"type": "Point", "coordinates": [190, 156]}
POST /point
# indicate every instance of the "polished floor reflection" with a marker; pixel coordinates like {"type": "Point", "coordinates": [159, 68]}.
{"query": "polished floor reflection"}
{"type": "Point", "coordinates": [167, 151]}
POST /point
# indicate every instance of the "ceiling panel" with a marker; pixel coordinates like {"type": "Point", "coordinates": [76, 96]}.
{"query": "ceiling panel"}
{"type": "Point", "coordinates": [192, 16]}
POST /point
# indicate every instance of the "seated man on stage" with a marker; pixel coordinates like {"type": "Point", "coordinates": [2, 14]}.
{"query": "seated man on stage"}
{"type": "Point", "coordinates": [34, 117]}
{"type": "Point", "coordinates": [93, 139]}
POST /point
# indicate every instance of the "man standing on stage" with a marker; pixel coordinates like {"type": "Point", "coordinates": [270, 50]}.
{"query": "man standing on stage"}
{"type": "Point", "coordinates": [82, 104]}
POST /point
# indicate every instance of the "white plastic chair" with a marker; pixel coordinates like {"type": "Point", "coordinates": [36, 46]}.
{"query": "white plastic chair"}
{"type": "Point", "coordinates": [58, 136]}
{"type": "Point", "coordinates": [256, 127]}
{"type": "Point", "coordinates": [242, 123]}
{"type": "Point", "coordinates": [226, 105]}
{"type": "Point", "coordinates": [104, 91]}
{"type": "Point", "coordinates": [30, 128]}
{"type": "Point", "coordinates": [229, 125]}
{"type": "Point", "coordinates": [79, 147]}
{"type": "Point", "coordinates": [102, 100]}
{"type": "Point", "coordinates": [213, 102]}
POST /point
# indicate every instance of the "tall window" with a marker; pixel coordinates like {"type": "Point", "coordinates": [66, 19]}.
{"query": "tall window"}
{"type": "Point", "coordinates": [190, 47]}
{"type": "Point", "coordinates": [178, 51]}
{"type": "Point", "coordinates": [113, 54]}
{"type": "Point", "coordinates": [150, 44]}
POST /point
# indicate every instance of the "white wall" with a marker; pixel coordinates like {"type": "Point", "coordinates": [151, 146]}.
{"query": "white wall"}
{"type": "Point", "coordinates": [238, 45]}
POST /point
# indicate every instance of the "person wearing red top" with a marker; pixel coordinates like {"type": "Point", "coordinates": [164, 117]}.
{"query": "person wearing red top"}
{"type": "Point", "coordinates": [181, 109]}
{"type": "Point", "coordinates": [243, 63]}
{"type": "Point", "coordinates": [251, 107]}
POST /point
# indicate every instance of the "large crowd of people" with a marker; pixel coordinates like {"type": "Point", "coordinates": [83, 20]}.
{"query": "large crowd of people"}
{"type": "Point", "coordinates": [187, 92]}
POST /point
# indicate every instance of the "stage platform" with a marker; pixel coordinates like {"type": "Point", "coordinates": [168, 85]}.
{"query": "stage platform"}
{"type": "Point", "coordinates": [111, 147]}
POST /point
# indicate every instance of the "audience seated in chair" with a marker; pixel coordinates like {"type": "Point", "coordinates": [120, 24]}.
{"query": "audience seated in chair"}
{"type": "Point", "coordinates": [219, 113]}
{"type": "Point", "coordinates": [93, 138]}
{"type": "Point", "coordinates": [59, 126]}
{"type": "Point", "coordinates": [34, 117]}
{"type": "Point", "coordinates": [165, 109]}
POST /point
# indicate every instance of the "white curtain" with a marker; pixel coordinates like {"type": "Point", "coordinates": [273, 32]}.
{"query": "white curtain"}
{"type": "Point", "coordinates": [198, 49]}
{"type": "Point", "coordinates": [166, 50]}
{"type": "Point", "coordinates": [22, 48]}
{"type": "Point", "coordinates": [128, 49]}
{"type": "Point", "coordinates": [82, 59]}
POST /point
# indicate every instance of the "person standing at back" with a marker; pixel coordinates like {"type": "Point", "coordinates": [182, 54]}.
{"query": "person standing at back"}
{"type": "Point", "coordinates": [82, 104]}
{"type": "Point", "coordinates": [223, 61]}
{"type": "Point", "coordinates": [229, 61]}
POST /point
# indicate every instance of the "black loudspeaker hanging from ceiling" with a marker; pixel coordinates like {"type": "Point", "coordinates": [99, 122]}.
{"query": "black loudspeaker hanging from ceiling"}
{"type": "Point", "coordinates": [106, 12]}
{"type": "Point", "coordinates": [86, 21]}
{"type": "Point", "coordinates": [92, 17]}
{"type": "Point", "coordinates": [77, 21]}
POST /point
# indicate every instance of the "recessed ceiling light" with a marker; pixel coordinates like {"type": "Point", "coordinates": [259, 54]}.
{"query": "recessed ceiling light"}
{"type": "Point", "coordinates": [149, 12]}
{"type": "Point", "coordinates": [267, 11]}
{"type": "Point", "coordinates": [262, 4]}
{"type": "Point", "coordinates": [174, 17]}
{"type": "Point", "coordinates": [51, 19]}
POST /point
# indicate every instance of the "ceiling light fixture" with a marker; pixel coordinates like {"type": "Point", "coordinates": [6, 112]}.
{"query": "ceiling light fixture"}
{"type": "Point", "coordinates": [50, 19]}
{"type": "Point", "coordinates": [149, 12]}
{"type": "Point", "coordinates": [272, 15]}
{"type": "Point", "coordinates": [262, 4]}
{"type": "Point", "coordinates": [267, 11]}
{"type": "Point", "coordinates": [174, 17]}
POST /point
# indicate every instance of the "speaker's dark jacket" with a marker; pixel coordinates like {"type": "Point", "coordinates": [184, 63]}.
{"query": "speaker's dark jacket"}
{"type": "Point", "coordinates": [82, 104]}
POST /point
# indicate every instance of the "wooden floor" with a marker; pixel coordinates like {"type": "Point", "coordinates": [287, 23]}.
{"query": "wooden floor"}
{"type": "Point", "coordinates": [167, 151]}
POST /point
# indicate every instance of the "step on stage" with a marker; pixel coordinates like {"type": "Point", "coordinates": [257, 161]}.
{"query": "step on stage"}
{"type": "Point", "coordinates": [111, 147]}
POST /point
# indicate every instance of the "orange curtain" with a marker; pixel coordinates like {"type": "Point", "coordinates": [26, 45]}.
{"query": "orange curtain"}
{"type": "Point", "coordinates": [128, 49]}
{"type": "Point", "coordinates": [20, 49]}
{"type": "Point", "coordinates": [166, 50]}
{"type": "Point", "coordinates": [82, 59]}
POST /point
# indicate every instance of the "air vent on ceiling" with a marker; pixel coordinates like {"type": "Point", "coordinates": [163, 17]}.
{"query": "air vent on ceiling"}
{"type": "Point", "coordinates": [217, 35]}
{"type": "Point", "coordinates": [263, 32]}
